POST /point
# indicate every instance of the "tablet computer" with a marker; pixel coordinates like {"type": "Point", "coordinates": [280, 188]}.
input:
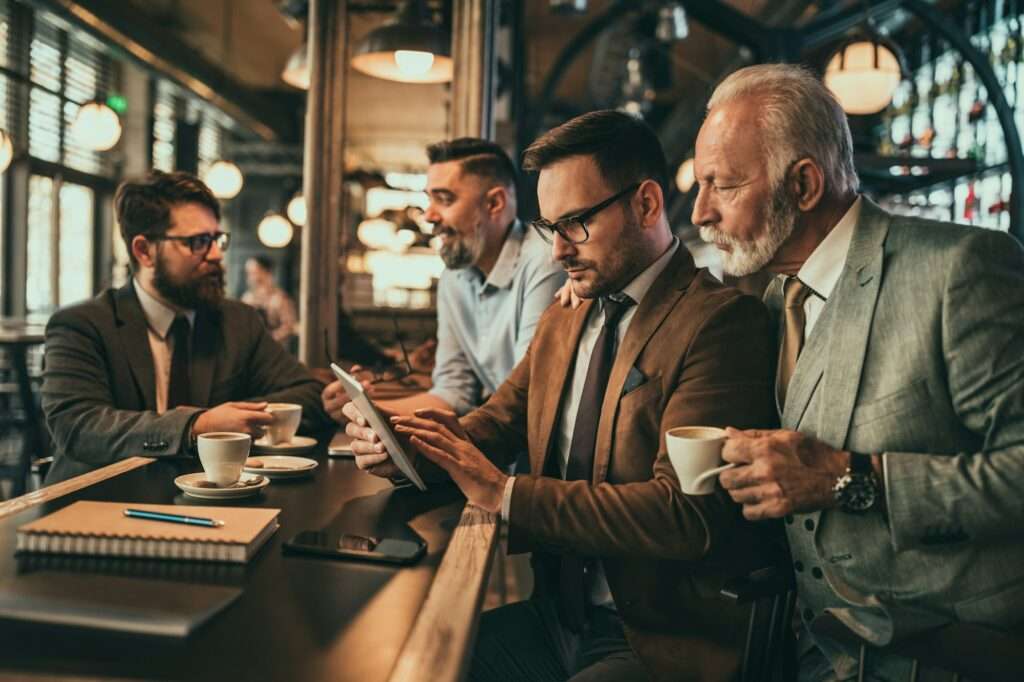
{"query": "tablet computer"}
{"type": "Point", "coordinates": [379, 424]}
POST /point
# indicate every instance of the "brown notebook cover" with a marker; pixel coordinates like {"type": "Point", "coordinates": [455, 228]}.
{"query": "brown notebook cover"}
{"type": "Point", "coordinates": [102, 529]}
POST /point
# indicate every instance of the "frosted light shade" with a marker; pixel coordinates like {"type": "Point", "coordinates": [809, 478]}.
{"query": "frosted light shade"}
{"type": "Point", "coordinates": [297, 209]}
{"type": "Point", "coordinates": [274, 231]}
{"type": "Point", "coordinates": [96, 126]}
{"type": "Point", "coordinates": [224, 179]}
{"type": "Point", "coordinates": [860, 86]}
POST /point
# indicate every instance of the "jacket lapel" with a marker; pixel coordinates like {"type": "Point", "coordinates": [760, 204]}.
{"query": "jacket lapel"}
{"type": "Point", "coordinates": [557, 366]}
{"type": "Point", "coordinates": [656, 305]}
{"type": "Point", "coordinates": [204, 356]}
{"type": "Point", "coordinates": [134, 338]}
{"type": "Point", "coordinates": [849, 326]}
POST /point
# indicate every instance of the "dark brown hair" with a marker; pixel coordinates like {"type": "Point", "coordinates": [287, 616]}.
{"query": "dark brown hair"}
{"type": "Point", "coordinates": [144, 206]}
{"type": "Point", "coordinates": [479, 157]}
{"type": "Point", "coordinates": [625, 149]}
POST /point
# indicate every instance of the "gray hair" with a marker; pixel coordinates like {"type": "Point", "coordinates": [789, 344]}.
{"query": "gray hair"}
{"type": "Point", "coordinates": [799, 118]}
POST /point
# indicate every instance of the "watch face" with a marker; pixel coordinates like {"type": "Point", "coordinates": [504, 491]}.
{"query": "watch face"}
{"type": "Point", "coordinates": [856, 492]}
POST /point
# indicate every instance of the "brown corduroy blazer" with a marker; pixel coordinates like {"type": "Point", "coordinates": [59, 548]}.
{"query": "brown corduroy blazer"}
{"type": "Point", "coordinates": [705, 354]}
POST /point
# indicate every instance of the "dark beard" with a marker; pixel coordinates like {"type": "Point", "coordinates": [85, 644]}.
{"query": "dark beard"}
{"type": "Point", "coordinates": [205, 292]}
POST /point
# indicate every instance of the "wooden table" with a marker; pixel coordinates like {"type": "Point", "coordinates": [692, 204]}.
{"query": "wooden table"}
{"type": "Point", "coordinates": [16, 337]}
{"type": "Point", "coordinates": [298, 618]}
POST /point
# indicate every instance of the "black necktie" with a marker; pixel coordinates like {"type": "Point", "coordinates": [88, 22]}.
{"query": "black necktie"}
{"type": "Point", "coordinates": [179, 389]}
{"type": "Point", "coordinates": [580, 467]}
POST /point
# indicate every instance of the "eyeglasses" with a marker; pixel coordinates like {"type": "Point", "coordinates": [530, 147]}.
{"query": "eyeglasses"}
{"type": "Point", "coordinates": [197, 243]}
{"type": "Point", "coordinates": [574, 228]}
{"type": "Point", "coordinates": [396, 372]}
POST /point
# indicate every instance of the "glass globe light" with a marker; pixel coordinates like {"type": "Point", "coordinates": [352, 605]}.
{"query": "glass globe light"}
{"type": "Point", "coordinates": [274, 231]}
{"type": "Point", "coordinates": [864, 75]}
{"type": "Point", "coordinates": [96, 126]}
{"type": "Point", "coordinates": [224, 179]}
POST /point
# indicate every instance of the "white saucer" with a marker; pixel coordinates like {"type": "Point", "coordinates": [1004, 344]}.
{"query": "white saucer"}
{"type": "Point", "coordinates": [289, 466]}
{"type": "Point", "coordinates": [297, 445]}
{"type": "Point", "coordinates": [187, 485]}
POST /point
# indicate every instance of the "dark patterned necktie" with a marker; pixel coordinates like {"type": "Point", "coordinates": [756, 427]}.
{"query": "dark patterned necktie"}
{"type": "Point", "coordinates": [179, 389]}
{"type": "Point", "coordinates": [580, 466]}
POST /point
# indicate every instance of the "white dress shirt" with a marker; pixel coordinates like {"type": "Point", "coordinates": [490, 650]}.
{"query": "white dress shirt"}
{"type": "Point", "coordinates": [599, 593]}
{"type": "Point", "coordinates": [159, 318]}
{"type": "Point", "coordinates": [822, 269]}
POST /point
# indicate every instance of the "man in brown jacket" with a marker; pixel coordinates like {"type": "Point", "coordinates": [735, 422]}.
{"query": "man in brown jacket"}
{"type": "Point", "coordinates": [627, 566]}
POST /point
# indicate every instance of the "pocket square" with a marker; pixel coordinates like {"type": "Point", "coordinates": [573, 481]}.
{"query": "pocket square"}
{"type": "Point", "coordinates": [634, 380]}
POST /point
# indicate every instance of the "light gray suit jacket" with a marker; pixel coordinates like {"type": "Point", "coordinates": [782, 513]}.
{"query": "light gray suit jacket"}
{"type": "Point", "coordinates": [919, 354]}
{"type": "Point", "coordinates": [99, 394]}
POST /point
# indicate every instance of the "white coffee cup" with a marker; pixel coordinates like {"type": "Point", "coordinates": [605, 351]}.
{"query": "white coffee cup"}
{"type": "Point", "coordinates": [696, 453]}
{"type": "Point", "coordinates": [286, 422]}
{"type": "Point", "coordinates": [223, 454]}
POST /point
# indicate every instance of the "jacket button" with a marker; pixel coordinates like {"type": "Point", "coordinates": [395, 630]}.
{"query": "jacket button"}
{"type": "Point", "coordinates": [817, 573]}
{"type": "Point", "coordinates": [809, 524]}
{"type": "Point", "coordinates": [789, 519]}
{"type": "Point", "coordinates": [798, 566]}
{"type": "Point", "coordinates": [808, 615]}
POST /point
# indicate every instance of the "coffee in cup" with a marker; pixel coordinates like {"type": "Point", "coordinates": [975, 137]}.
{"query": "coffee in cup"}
{"type": "Point", "coordinates": [696, 453]}
{"type": "Point", "coordinates": [286, 422]}
{"type": "Point", "coordinates": [223, 455]}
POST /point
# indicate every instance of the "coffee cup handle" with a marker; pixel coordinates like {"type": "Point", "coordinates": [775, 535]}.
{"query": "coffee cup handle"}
{"type": "Point", "coordinates": [710, 473]}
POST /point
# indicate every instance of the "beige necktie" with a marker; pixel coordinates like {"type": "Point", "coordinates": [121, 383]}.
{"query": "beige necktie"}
{"type": "Point", "coordinates": [795, 293]}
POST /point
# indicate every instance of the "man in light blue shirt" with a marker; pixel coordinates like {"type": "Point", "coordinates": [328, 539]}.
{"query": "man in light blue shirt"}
{"type": "Point", "coordinates": [499, 278]}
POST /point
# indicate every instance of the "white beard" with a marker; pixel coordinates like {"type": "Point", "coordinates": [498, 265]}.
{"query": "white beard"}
{"type": "Point", "coordinates": [748, 257]}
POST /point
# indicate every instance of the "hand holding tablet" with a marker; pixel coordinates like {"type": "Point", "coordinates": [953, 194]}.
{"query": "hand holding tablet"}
{"type": "Point", "coordinates": [379, 424]}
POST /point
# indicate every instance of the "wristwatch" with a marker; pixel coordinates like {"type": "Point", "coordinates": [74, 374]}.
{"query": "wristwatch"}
{"type": "Point", "coordinates": [858, 489]}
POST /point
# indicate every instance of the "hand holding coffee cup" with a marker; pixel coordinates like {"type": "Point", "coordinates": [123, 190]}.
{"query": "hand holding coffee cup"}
{"type": "Point", "coordinates": [223, 454]}
{"type": "Point", "coordinates": [696, 453]}
{"type": "Point", "coordinates": [287, 417]}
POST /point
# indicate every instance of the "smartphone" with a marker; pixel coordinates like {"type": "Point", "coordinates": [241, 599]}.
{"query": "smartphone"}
{"type": "Point", "coordinates": [339, 545]}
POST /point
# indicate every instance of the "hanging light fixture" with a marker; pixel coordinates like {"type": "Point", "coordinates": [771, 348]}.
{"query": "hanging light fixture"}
{"type": "Point", "coordinates": [224, 179]}
{"type": "Point", "coordinates": [865, 69]}
{"type": "Point", "coordinates": [6, 150]}
{"type": "Point", "coordinates": [296, 69]}
{"type": "Point", "coordinates": [672, 24]}
{"type": "Point", "coordinates": [685, 176]}
{"type": "Point", "coordinates": [274, 231]}
{"type": "Point", "coordinates": [297, 209]}
{"type": "Point", "coordinates": [96, 126]}
{"type": "Point", "coordinates": [412, 49]}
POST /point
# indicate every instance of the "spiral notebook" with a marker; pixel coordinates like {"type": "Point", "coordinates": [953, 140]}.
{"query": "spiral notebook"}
{"type": "Point", "coordinates": [102, 529]}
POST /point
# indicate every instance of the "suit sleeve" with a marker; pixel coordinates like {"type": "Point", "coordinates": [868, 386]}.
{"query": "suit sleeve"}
{"type": "Point", "coordinates": [79, 403]}
{"type": "Point", "coordinates": [983, 347]}
{"type": "Point", "coordinates": [275, 375]}
{"type": "Point", "coordinates": [724, 378]}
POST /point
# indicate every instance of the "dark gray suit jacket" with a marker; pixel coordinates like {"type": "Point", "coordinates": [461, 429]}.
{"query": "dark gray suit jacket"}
{"type": "Point", "coordinates": [919, 354]}
{"type": "Point", "coordinates": [99, 393]}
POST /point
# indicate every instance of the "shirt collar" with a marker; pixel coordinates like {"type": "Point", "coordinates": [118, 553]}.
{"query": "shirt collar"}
{"type": "Point", "coordinates": [505, 267]}
{"type": "Point", "coordinates": [822, 269]}
{"type": "Point", "coordinates": [158, 314]}
{"type": "Point", "coordinates": [642, 283]}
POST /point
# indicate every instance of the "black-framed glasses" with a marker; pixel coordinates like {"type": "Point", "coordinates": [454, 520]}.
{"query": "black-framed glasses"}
{"type": "Point", "coordinates": [574, 228]}
{"type": "Point", "coordinates": [197, 243]}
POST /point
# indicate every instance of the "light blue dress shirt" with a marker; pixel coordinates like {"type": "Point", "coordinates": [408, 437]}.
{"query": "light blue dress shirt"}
{"type": "Point", "coordinates": [484, 326]}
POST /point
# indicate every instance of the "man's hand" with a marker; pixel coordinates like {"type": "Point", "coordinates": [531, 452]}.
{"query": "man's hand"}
{"type": "Point", "coordinates": [567, 298]}
{"type": "Point", "coordinates": [438, 435]}
{"type": "Point", "coordinates": [334, 396]}
{"type": "Point", "coordinates": [780, 472]}
{"type": "Point", "coordinates": [238, 417]}
{"type": "Point", "coordinates": [370, 453]}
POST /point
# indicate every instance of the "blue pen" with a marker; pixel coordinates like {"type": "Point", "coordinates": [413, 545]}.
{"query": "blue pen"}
{"type": "Point", "coordinates": [173, 518]}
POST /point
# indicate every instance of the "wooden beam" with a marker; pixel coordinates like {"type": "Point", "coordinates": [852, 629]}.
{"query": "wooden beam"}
{"type": "Point", "coordinates": [473, 83]}
{"type": "Point", "coordinates": [440, 644]}
{"type": "Point", "coordinates": [323, 188]}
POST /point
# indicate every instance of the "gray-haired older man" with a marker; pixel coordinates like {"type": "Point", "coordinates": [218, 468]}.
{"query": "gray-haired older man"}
{"type": "Point", "coordinates": [900, 379]}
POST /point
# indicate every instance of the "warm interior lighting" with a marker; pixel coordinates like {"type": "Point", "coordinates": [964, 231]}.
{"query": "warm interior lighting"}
{"type": "Point", "coordinates": [413, 63]}
{"type": "Point", "coordinates": [863, 75]}
{"type": "Point", "coordinates": [224, 179]}
{"type": "Point", "coordinates": [296, 69]}
{"type": "Point", "coordinates": [275, 231]}
{"type": "Point", "coordinates": [6, 150]}
{"type": "Point", "coordinates": [412, 49]}
{"type": "Point", "coordinates": [297, 209]}
{"type": "Point", "coordinates": [685, 176]}
{"type": "Point", "coordinates": [376, 233]}
{"type": "Point", "coordinates": [96, 126]}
